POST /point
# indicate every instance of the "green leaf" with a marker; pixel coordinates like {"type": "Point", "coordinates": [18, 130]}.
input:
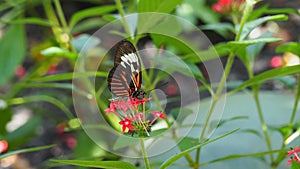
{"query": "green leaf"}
{"type": "Point", "coordinates": [220, 28]}
{"type": "Point", "coordinates": [183, 153]}
{"type": "Point", "coordinates": [24, 133]}
{"type": "Point", "coordinates": [258, 12]}
{"type": "Point", "coordinates": [171, 42]}
{"type": "Point", "coordinates": [223, 121]}
{"type": "Point", "coordinates": [68, 76]}
{"type": "Point", "coordinates": [219, 50]}
{"type": "Point", "coordinates": [255, 49]}
{"type": "Point", "coordinates": [292, 47]}
{"type": "Point", "coordinates": [95, 11]}
{"type": "Point", "coordinates": [295, 165]}
{"type": "Point", "coordinates": [92, 151]}
{"type": "Point", "coordinates": [255, 132]}
{"type": "Point", "coordinates": [235, 156]}
{"type": "Point", "coordinates": [185, 68]}
{"type": "Point", "coordinates": [56, 51]}
{"type": "Point", "coordinates": [253, 41]}
{"type": "Point", "coordinates": [97, 164]}
{"type": "Point", "coordinates": [188, 142]}
{"type": "Point", "coordinates": [89, 24]}
{"type": "Point", "coordinates": [12, 47]}
{"type": "Point", "coordinates": [11, 15]}
{"type": "Point", "coordinates": [248, 54]}
{"type": "Point", "coordinates": [27, 150]}
{"type": "Point", "coordinates": [202, 11]}
{"type": "Point", "coordinates": [282, 10]}
{"type": "Point", "coordinates": [268, 75]}
{"type": "Point", "coordinates": [165, 6]}
{"type": "Point", "coordinates": [155, 20]}
{"type": "Point", "coordinates": [38, 98]}
{"type": "Point", "coordinates": [249, 26]}
{"type": "Point", "coordinates": [36, 21]}
{"type": "Point", "coordinates": [6, 115]}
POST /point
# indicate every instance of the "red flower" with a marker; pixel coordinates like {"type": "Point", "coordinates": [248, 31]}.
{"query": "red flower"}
{"type": "Point", "coordinates": [225, 2]}
{"type": "Point", "coordinates": [133, 102]}
{"type": "Point", "coordinates": [60, 128]}
{"type": "Point", "coordinates": [144, 100]}
{"type": "Point", "coordinates": [3, 146]}
{"type": "Point", "coordinates": [138, 116]}
{"type": "Point", "coordinates": [276, 61]}
{"type": "Point", "coordinates": [293, 151]}
{"type": "Point", "coordinates": [289, 162]}
{"type": "Point", "coordinates": [171, 89]}
{"type": "Point", "coordinates": [159, 115]}
{"type": "Point", "coordinates": [227, 6]}
{"type": "Point", "coordinates": [70, 141]}
{"type": "Point", "coordinates": [126, 123]}
{"type": "Point", "coordinates": [294, 156]}
{"type": "Point", "coordinates": [52, 69]}
{"type": "Point", "coordinates": [112, 108]}
{"type": "Point", "coordinates": [122, 105]}
{"type": "Point", "coordinates": [20, 71]}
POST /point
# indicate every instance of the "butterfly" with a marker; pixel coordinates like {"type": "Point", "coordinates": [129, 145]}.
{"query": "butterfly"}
{"type": "Point", "coordinates": [125, 78]}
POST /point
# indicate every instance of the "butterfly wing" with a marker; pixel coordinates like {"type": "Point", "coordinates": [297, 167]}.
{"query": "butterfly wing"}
{"type": "Point", "coordinates": [125, 77]}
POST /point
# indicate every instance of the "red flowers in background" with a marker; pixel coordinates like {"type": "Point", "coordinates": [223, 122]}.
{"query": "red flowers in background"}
{"type": "Point", "coordinates": [132, 119]}
{"type": "Point", "coordinates": [20, 71]}
{"type": "Point", "coordinates": [293, 153]}
{"type": "Point", "coordinates": [276, 61]}
{"type": "Point", "coordinates": [288, 59]}
{"type": "Point", "coordinates": [228, 6]}
{"type": "Point", "coordinates": [3, 146]}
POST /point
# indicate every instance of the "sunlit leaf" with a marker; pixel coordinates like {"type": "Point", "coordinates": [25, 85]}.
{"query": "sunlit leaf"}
{"type": "Point", "coordinates": [97, 164]}
{"type": "Point", "coordinates": [27, 150]}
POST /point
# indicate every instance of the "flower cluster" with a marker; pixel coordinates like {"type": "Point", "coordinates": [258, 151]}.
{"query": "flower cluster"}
{"type": "Point", "coordinates": [228, 6]}
{"type": "Point", "coordinates": [293, 154]}
{"type": "Point", "coordinates": [134, 121]}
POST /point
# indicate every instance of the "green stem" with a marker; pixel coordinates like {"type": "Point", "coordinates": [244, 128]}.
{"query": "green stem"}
{"type": "Point", "coordinates": [122, 14]}
{"type": "Point", "coordinates": [64, 24]}
{"type": "Point", "coordinates": [60, 14]}
{"type": "Point", "coordinates": [282, 155]}
{"type": "Point", "coordinates": [264, 126]}
{"type": "Point", "coordinates": [145, 156]}
{"type": "Point", "coordinates": [248, 9]}
{"type": "Point", "coordinates": [297, 97]}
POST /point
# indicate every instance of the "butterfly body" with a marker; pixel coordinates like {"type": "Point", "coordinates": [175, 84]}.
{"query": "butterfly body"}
{"type": "Point", "coordinates": [125, 78]}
